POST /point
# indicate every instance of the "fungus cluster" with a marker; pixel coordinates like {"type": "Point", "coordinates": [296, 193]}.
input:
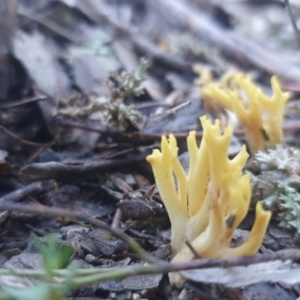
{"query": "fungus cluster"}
{"type": "Point", "coordinates": [206, 205]}
{"type": "Point", "coordinates": [261, 116]}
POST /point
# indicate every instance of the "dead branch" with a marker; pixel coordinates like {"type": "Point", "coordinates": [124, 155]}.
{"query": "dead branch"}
{"type": "Point", "coordinates": [65, 172]}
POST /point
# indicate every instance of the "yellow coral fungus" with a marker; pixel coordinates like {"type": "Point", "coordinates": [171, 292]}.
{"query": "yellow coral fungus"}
{"type": "Point", "coordinates": [206, 205]}
{"type": "Point", "coordinates": [260, 116]}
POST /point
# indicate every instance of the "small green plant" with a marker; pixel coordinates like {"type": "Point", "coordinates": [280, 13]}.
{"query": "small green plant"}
{"type": "Point", "coordinates": [55, 256]}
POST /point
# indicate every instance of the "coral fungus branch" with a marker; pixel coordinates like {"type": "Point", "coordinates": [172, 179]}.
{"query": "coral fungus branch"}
{"type": "Point", "coordinates": [206, 205]}
{"type": "Point", "coordinates": [261, 116]}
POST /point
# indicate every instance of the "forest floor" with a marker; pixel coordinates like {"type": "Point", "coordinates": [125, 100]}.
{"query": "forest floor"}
{"type": "Point", "coordinates": [87, 89]}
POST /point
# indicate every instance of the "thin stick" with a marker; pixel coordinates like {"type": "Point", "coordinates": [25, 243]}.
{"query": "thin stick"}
{"type": "Point", "coordinates": [28, 143]}
{"type": "Point", "coordinates": [24, 101]}
{"type": "Point", "coordinates": [166, 267]}
{"type": "Point", "coordinates": [294, 25]}
{"type": "Point", "coordinates": [196, 255]}
{"type": "Point", "coordinates": [161, 267]}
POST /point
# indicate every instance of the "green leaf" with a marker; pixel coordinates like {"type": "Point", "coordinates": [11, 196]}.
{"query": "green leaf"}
{"type": "Point", "coordinates": [55, 256]}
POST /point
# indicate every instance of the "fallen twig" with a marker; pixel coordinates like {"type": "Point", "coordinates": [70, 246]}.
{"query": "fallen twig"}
{"type": "Point", "coordinates": [28, 143]}
{"type": "Point", "coordinates": [294, 25]}
{"type": "Point", "coordinates": [67, 172]}
{"type": "Point", "coordinates": [34, 187]}
{"type": "Point", "coordinates": [89, 276]}
{"type": "Point", "coordinates": [151, 137]}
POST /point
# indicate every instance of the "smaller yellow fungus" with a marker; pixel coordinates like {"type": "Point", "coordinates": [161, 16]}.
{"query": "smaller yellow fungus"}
{"type": "Point", "coordinates": [261, 116]}
{"type": "Point", "coordinates": [206, 205]}
{"type": "Point", "coordinates": [205, 75]}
